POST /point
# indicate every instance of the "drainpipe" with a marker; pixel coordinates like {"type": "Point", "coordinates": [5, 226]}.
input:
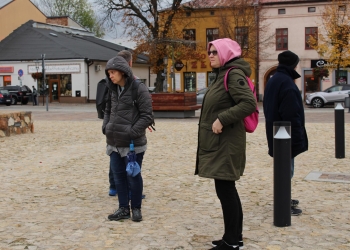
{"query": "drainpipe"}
{"type": "Point", "coordinates": [89, 63]}
{"type": "Point", "coordinates": [256, 12]}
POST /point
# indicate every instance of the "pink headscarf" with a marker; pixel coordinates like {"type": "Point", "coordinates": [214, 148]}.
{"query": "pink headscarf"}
{"type": "Point", "coordinates": [227, 49]}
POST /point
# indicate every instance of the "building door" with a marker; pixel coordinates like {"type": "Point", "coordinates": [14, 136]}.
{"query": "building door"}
{"type": "Point", "coordinates": [54, 90]}
{"type": "Point", "coordinates": [311, 83]}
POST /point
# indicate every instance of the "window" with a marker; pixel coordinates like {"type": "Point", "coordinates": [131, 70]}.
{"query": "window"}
{"type": "Point", "coordinates": [212, 13]}
{"type": "Point", "coordinates": [310, 31]}
{"type": "Point", "coordinates": [311, 9]}
{"type": "Point", "coordinates": [188, 13]}
{"type": "Point", "coordinates": [190, 35]}
{"type": "Point", "coordinates": [212, 34]}
{"type": "Point", "coordinates": [281, 11]}
{"type": "Point", "coordinates": [241, 36]}
{"type": "Point", "coordinates": [190, 81]}
{"type": "Point", "coordinates": [281, 39]}
{"type": "Point", "coordinates": [211, 77]}
{"type": "Point", "coordinates": [342, 7]}
{"type": "Point", "coordinates": [343, 76]}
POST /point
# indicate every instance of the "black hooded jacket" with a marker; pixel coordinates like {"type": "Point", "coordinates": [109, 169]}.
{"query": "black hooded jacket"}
{"type": "Point", "coordinates": [126, 119]}
{"type": "Point", "coordinates": [282, 102]}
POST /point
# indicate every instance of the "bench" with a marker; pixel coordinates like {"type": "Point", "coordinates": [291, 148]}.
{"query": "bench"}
{"type": "Point", "coordinates": [174, 105]}
{"type": "Point", "coordinates": [15, 122]}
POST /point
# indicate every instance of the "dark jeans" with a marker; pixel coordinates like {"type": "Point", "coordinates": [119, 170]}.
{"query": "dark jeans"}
{"type": "Point", "coordinates": [111, 178]}
{"type": "Point", "coordinates": [231, 209]}
{"type": "Point", "coordinates": [35, 100]}
{"type": "Point", "coordinates": [123, 182]}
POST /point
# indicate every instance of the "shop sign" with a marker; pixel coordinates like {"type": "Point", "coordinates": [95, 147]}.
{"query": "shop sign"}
{"type": "Point", "coordinates": [319, 63]}
{"type": "Point", "coordinates": [56, 68]}
{"type": "Point", "coordinates": [6, 69]}
{"type": "Point", "coordinates": [179, 65]}
{"type": "Point", "coordinates": [7, 78]}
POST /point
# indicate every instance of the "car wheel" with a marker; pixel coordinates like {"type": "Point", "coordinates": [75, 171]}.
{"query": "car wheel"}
{"type": "Point", "coordinates": [14, 101]}
{"type": "Point", "coordinates": [317, 102]}
{"type": "Point", "coordinates": [8, 104]}
{"type": "Point", "coordinates": [25, 101]}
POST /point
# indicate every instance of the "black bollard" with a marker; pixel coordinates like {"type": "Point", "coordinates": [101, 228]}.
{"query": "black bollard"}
{"type": "Point", "coordinates": [339, 127]}
{"type": "Point", "coordinates": [282, 161]}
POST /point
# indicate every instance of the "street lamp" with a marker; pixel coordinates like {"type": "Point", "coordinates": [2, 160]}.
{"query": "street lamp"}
{"type": "Point", "coordinates": [165, 83]}
{"type": "Point", "coordinates": [37, 69]}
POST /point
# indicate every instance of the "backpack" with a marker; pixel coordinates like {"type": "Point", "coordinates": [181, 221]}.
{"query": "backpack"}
{"type": "Point", "coordinates": [103, 96]}
{"type": "Point", "coordinates": [252, 120]}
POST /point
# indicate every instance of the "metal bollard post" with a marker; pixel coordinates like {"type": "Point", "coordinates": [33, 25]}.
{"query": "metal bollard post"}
{"type": "Point", "coordinates": [282, 160]}
{"type": "Point", "coordinates": [339, 127]}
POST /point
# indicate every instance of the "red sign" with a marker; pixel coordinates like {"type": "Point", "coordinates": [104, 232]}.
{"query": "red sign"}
{"type": "Point", "coordinates": [6, 69]}
{"type": "Point", "coordinates": [7, 78]}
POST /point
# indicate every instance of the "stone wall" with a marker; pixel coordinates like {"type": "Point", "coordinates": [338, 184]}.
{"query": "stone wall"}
{"type": "Point", "coordinates": [15, 123]}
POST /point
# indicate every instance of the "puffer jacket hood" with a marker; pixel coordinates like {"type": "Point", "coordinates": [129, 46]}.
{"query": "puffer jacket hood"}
{"type": "Point", "coordinates": [227, 49]}
{"type": "Point", "coordinates": [118, 63]}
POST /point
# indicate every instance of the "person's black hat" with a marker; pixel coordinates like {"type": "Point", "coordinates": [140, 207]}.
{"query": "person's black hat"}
{"type": "Point", "coordinates": [288, 58]}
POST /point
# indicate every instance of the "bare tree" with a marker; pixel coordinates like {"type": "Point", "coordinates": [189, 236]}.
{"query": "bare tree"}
{"type": "Point", "coordinates": [244, 22]}
{"type": "Point", "coordinates": [149, 24]}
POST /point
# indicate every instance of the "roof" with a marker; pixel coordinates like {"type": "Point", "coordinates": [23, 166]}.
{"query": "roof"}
{"type": "Point", "coordinates": [4, 3]}
{"type": "Point", "coordinates": [30, 40]}
{"type": "Point", "coordinates": [290, 1]}
{"type": "Point", "coordinates": [210, 4]}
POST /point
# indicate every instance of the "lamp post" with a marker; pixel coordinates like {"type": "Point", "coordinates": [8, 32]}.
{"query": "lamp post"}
{"type": "Point", "coordinates": [37, 69]}
{"type": "Point", "coordinates": [44, 82]}
{"type": "Point", "coordinates": [165, 83]}
{"type": "Point", "coordinates": [256, 17]}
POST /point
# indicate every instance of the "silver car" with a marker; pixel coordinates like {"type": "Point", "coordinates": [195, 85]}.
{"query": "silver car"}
{"type": "Point", "coordinates": [200, 95]}
{"type": "Point", "coordinates": [336, 93]}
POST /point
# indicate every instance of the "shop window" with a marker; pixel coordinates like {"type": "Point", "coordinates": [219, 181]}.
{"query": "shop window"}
{"type": "Point", "coordinates": [212, 34]}
{"type": "Point", "coordinates": [343, 76]}
{"type": "Point", "coordinates": [310, 31]}
{"type": "Point", "coordinates": [190, 81]}
{"type": "Point", "coordinates": [66, 85]}
{"type": "Point", "coordinates": [281, 39]}
{"type": "Point", "coordinates": [312, 83]}
{"type": "Point", "coordinates": [211, 78]}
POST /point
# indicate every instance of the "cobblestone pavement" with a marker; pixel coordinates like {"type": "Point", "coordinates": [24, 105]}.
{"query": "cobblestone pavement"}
{"type": "Point", "coordinates": [54, 189]}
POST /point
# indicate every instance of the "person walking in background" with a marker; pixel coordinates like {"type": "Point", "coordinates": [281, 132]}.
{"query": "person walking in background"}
{"type": "Point", "coordinates": [35, 96]}
{"type": "Point", "coordinates": [221, 152]}
{"type": "Point", "coordinates": [126, 120]}
{"type": "Point", "coordinates": [282, 102]}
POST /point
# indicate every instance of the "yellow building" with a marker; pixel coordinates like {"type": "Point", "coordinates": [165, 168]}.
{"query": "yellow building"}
{"type": "Point", "coordinates": [14, 13]}
{"type": "Point", "coordinates": [203, 23]}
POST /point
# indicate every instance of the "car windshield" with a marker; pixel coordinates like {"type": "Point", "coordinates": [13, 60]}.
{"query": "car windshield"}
{"type": "Point", "coordinates": [4, 91]}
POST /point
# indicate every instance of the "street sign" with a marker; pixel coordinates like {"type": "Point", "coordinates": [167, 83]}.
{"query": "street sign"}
{"type": "Point", "coordinates": [20, 72]}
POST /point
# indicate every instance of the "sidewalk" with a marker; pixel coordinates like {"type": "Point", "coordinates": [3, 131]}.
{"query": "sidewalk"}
{"type": "Point", "coordinates": [54, 191]}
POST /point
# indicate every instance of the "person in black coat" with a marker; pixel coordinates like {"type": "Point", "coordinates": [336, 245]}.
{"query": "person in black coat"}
{"type": "Point", "coordinates": [282, 102]}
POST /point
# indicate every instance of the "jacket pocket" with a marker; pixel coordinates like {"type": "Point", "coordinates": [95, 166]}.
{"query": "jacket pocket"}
{"type": "Point", "coordinates": [208, 141]}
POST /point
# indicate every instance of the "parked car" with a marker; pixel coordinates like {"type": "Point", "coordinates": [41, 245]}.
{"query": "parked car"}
{"type": "Point", "coordinates": [5, 97]}
{"type": "Point", "coordinates": [19, 93]}
{"type": "Point", "coordinates": [200, 95]}
{"type": "Point", "coordinates": [336, 93]}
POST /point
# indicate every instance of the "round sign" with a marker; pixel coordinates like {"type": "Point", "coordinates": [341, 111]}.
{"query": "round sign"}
{"type": "Point", "coordinates": [20, 72]}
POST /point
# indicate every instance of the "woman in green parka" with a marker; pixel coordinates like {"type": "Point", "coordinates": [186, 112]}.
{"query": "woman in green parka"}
{"type": "Point", "coordinates": [221, 152]}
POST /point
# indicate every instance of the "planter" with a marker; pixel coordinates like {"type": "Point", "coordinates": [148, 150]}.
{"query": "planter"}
{"type": "Point", "coordinates": [175, 105]}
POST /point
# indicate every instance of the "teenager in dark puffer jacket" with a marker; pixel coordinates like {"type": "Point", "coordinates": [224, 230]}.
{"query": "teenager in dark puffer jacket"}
{"type": "Point", "coordinates": [126, 120]}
